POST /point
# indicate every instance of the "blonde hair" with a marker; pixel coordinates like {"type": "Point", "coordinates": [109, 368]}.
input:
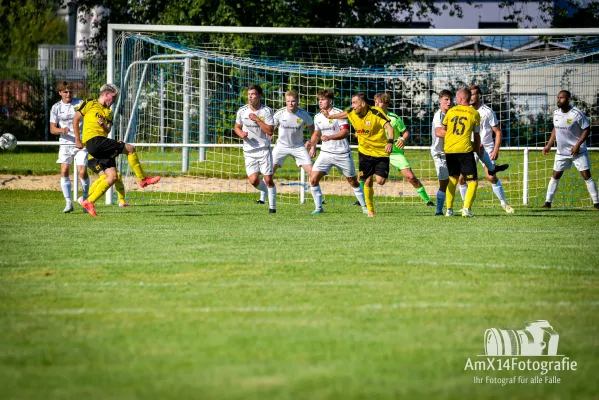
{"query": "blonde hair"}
{"type": "Point", "coordinates": [64, 85]}
{"type": "Point", "coordinates": [291, 93]}
{"type": "Point", "coordinates": [383, 98]}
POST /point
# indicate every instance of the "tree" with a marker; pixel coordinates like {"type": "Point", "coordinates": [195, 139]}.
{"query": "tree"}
{"type": "Point", "coordinates": [27, 24]}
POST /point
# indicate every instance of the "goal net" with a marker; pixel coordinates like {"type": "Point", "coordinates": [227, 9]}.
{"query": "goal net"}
{"type": "Point", "coordinates": [182, 86]}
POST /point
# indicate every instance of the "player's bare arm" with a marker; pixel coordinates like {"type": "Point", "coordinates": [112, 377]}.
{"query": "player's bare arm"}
{"type": "Point", "coordinates": [498, 137]}
{"type": "Point", "coordinates": [342, 134]}
{"type": "Point", "coordinates": [309, 144]}
{"type": "Point", "coordinates": [547, 148]}
{"type": "Point", "coordinates": [583, 137]}
{"type": "Point", "coordinates": [441, 131]}
{"type": "Point", "coordinates": [239, 131]}
{"type": "Point", "coordinates": [77, 133]}
{"type": "Point", "coordinates": [313, 141]}
{"type": "Point", "coordinates": [390, 137]}
{"type": "Point", "coordinates": [476, 144]}
{"type": "Point", "coordinates": [341, 115]}
{"type": "Point", "coordinates": [268, 129]}
{"type": "Point", "coordinates": [55, 130]}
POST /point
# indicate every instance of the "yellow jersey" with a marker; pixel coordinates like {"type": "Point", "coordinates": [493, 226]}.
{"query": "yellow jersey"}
{"type": "Point", "coordinates": [92, 111]}
{"type": "Point", "coordinates": [372, 137]}
{"type": "Point", "coordinates": [461, 122]}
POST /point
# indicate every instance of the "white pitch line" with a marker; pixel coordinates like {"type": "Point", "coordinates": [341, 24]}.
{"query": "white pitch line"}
{"type": "Point", "coordinates": [490, 265]}
{"type": "Point", "coordinates": [291, 309]}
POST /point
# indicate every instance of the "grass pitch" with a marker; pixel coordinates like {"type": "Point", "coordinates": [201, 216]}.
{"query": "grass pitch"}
{"type": "Point", "coordinates": [229, 302]}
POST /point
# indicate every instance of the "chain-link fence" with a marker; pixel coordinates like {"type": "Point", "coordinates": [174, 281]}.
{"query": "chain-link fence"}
{"type": "Point", "coordinates": [28, 91]}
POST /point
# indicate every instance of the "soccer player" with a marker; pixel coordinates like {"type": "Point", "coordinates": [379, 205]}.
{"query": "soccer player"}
{"type": "Point", "coordinates": [334, 152]}
{"type": "Point", "coordinates": [571, 129]}
{"type": "Point", "coordinates": [437, 150]}
{"type": "Point", "coordinates": [398, 158]}
{"type": "Point", "coordinates": [96, 166]}
{"type": "Point", "coordinates": [97, 123]}
{"type": "Point", "coordinates": [61, 123]}
{"type": "Point", "coordinates": [291, 121]}
{"type": "Point", "coordinates": [460, 124]}
{"type": "Point", "coordinates": [255, 125]}
{"type": "Point", "coordinates": [374, 147]}
{"type": "Point", "coordinates": [489, 150]}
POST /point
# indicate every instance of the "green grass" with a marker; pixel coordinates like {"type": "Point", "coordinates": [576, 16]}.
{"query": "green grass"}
{"type": "Point", "coordinates": [229, 302]}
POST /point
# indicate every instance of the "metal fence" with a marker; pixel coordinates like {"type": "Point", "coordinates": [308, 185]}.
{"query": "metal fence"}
{"type": "Point", "coordinates": [28, 90]}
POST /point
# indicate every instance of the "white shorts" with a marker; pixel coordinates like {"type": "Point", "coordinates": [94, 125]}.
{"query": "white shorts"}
{"type": "Point", "coordinates": [440, 165]}
{"type": "Point", "coordinates": [300, 155]}
{"type": "Point", "coordinates": [258, 161]}
{"type": "Point", "coordinates": [343, 162]}
{"type": "Point", "coordinates": [477, 158]}
{"type": "Point", "coordinates": [66, 153]}
{"type": "Point", "coordinates": [582, 162]}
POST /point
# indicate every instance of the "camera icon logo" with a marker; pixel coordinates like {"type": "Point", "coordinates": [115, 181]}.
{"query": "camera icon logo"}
{"type": "Point", "coordinates": [536, 338]}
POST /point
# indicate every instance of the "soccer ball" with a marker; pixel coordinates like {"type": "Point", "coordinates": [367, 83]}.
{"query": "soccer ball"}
{"type": "Point", "coordinates": [8, 142]}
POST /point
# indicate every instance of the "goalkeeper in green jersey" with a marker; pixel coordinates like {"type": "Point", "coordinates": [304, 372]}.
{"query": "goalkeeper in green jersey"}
{"type": "Point", "coordinates": [398, 158]}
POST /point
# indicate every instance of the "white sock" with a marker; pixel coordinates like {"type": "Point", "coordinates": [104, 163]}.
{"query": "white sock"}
{"type": "Point", "coordinates": [463, 190]}
{"type": "Point", "coordinates": [317, 196]}
{"type": "Point", "coordinates": [65, 184]}
{"type": "Point", "coordinates": [359, 192]}
{"type": "Point", "coordinates": [486, 159]}
{"type": "Point", "coordinates": [551, 189]}
{"type": "Point", "coordinates": [440, 200]}
{"type": "Point", "coordinates": [498, 190]}
{"type": "Point", "coordinates": [263, 193]}
{"type": "Point", "coordinates": [85, 187]}
{"type": "Point", "coordinates": [272, 197]}
{"type": "Point", "coordinates": [592, 190]}
{"type": "Point", "coordinates": [262, 188]}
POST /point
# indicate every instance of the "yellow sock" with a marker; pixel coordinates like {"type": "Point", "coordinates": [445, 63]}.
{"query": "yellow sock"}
{"type": "Point", "coordinates": [101, 188]}
{"type": "Point", "coordinates": [95, 184]}
{"type": "Point", "coordinates": [470, 194]}
{"type": "Point", "coordinates": [369, 197]}
{"type": "Point", "coordinates": [120, 188]}
{"type": "Point", "coordinates": [136, 166]}
{"type": "Point", "coordinates": [450, 192]}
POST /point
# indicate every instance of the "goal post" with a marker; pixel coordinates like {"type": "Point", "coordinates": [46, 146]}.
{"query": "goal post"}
{"type": "Point", "coordinates": [182, 85]}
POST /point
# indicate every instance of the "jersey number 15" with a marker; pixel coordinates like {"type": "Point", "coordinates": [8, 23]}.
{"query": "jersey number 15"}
{"type": "Point", "coordinates": [458, 125]}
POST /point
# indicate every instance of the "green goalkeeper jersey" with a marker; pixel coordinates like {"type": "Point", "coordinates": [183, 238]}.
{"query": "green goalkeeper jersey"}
{"type": "Point", "coordinates": [398, 127]}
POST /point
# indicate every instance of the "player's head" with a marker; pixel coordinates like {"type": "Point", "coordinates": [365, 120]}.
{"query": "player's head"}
{"type": "Point", "coordinates": [382, 100]}
{"type": "Point", "coordinates": [325, 99]}
{"type": "Point", "coordinates": [65, 90]}
{"type": "Point", "coordinates": [108, 94]}
{"type": "Point", "coordinates": [254, 95]}
{"type": "Point", "coordinates": [563, 98]}
{"type": "Point", "coordinates": [291, 101]}
{"type": "Point", "coordinates": [445, 100]}
{"type": "Point", "coordinates": [358, 103]}
{"type": "Point", "coordinates": [463, 97]}
{"type": "Point", "coordinates": [476, 95]}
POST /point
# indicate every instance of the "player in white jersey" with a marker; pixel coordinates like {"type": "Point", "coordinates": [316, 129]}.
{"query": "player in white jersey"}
{"type": "Point", "coordinates": [255, 125]}
{"type": "Point", "coordinates": [290, 122]}
{"type": "Point", "coordinates": [61, 123]}
{"type": "Point", "coordinates": [489, 149]}
{"type": "Point", "coordinates": [571, 129]}
{"type": "Point", "coordinates": [437, 151]}
{"type": "Point", "coordinates": [334, 151]}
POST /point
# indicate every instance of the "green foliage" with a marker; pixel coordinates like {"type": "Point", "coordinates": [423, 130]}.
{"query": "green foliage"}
{"type": "Point", "coordinates": [27, 24]}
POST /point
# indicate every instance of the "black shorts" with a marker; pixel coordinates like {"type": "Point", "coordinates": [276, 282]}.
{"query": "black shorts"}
{"type": "Point", "coordinates": [98, 165]}
{"type": "Point", "coordinates": [103, 147]}
{"type": "Point", "coordinates": [462, 163]}
{"type": "Point", "coordinates": [373, 166]}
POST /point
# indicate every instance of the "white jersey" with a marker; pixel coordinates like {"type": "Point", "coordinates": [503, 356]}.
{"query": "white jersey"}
{"type": "Point", "coordinates": [438, 143]}
{"type": "Point", "coordinates": [568, 130]}
{"type": "Point", "coordinates": [487, 121]}
{"type": "Point", "coordinates": [291, 127]}
{"type": "Point", "coordinates": [257, 138]}
{"type": "Point", "coordinates": [329, 127]}
{"type": "Point", "coordinates": [62, 115]}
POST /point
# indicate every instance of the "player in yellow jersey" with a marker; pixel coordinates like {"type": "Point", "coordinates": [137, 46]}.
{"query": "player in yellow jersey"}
{"type": "Point", "coordinates": [375, 143]}
{"type": "Point", "coordinates": [95, 165]}
{"type": "Point", "coordinates": [97, 123]}
{"type": "Point", "coordinates": [460, 124]}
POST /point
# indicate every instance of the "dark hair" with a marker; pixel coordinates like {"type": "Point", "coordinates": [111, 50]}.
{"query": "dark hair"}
{"type": "Point", "coordinates": [567, 93]}
{"type": "Point", "coordinates": [446, 93]}
{"type": "Point", "coordinates": [326, 93]}
{"type": "Point", "coordinates": [361, 96]}
{"type": "Point", "coordinates": [477, 88]}
{"type": "Point", "coordinates": [257, 88]}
